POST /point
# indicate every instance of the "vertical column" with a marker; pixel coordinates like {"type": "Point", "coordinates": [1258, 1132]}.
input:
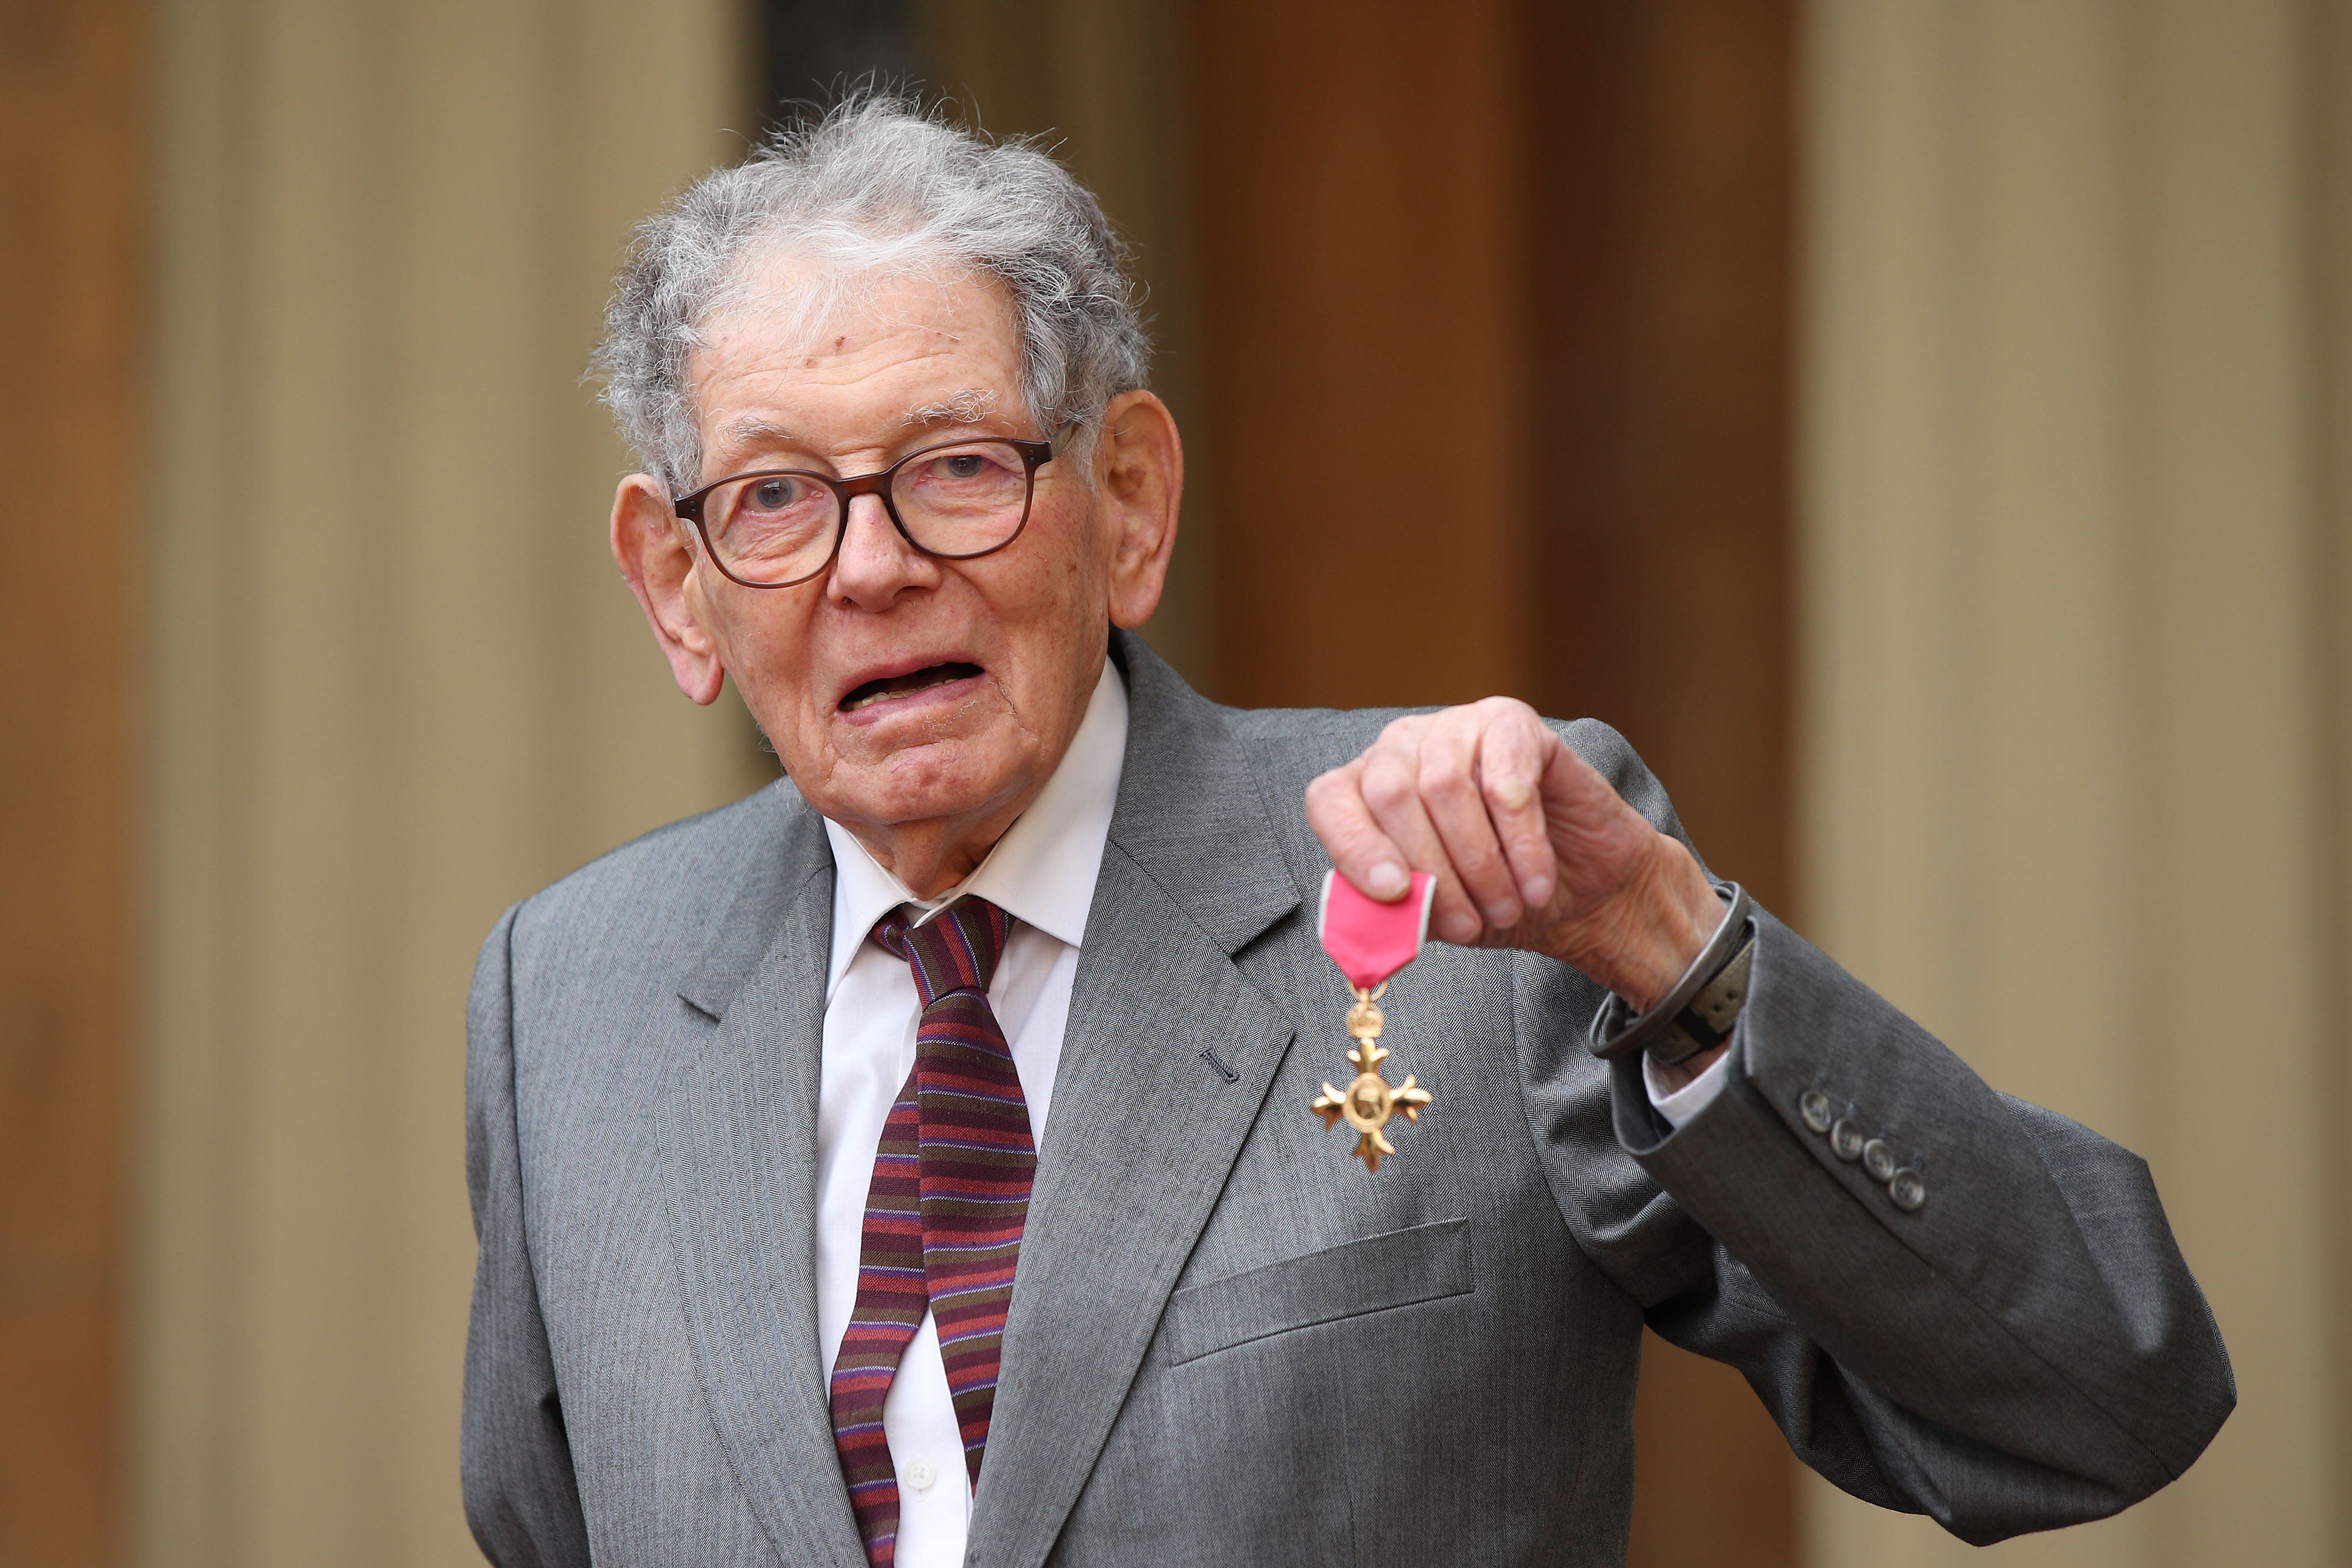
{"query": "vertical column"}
{"type": "Point", "coordinates": [2243, 980]}
{"type": "Point", "coordinates": [1359, 252]}
{"type": "Point", "coordinates": [1498, 303]}
{"type": "Point", "coordinates": [398, 685]}
{"type": "Point", "coordinates": [2329, 65]}
{"type": "Point", "coordinates": [73, 180]}
{"type": "Point", "coordinates": [2064, 790]}
{"type": "Point", "coordinates": [1659, 164]}
{"type": "Point", "coordinates": [1657, 190]}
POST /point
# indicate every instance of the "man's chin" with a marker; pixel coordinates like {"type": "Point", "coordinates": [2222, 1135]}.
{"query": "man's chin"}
{"type": "Point", "coordinates": [922, 782]}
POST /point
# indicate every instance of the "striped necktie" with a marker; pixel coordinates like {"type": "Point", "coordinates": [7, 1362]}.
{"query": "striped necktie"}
{"type": "Point", "coordinates": [944, 1215]}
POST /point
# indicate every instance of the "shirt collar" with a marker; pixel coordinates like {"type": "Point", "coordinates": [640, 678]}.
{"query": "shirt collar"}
{"type": "Point", "coordinates": [1042, 871]}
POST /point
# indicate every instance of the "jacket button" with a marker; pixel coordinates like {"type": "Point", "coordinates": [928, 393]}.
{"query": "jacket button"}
{"type": "Point", "coordinates": [1846, 1139]}
{"type": "Point", "coordinates": [1878, 1159]}
{"type": "Point", "coordinates": [919, 1474]}
{"type": "Point", "coordinates": [1907, 1190]}
{"type": "Point", "coordinates": [1815, 1107]}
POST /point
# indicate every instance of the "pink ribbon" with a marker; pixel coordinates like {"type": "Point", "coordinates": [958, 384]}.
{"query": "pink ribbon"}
{"type": "Point", "coordinates": [1371, 940]}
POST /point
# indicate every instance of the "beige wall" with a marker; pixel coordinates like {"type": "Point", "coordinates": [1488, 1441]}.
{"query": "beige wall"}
{"type": "Point", "coordinates": [2072, 567]}
{"type": "Point", "coordinates": [396, 685]}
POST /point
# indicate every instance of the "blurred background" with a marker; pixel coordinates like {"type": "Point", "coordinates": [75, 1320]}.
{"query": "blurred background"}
{"type": "Point", "coordinates": [1919, 427]}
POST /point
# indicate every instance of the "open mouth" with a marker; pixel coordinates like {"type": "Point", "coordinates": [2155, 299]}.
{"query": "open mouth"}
{"type": "Point", "coordinates": [913, 681]}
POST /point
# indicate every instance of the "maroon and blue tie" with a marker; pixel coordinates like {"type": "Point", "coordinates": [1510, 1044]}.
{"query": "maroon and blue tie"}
{"type": "Point", "coordinates": [944, 1216]}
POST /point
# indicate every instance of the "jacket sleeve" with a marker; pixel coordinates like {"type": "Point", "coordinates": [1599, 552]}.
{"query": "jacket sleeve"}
{"type": "Point", "coordinates": [521, 1498]}
{"type": "Point", "coordinates": [2023, 1348]}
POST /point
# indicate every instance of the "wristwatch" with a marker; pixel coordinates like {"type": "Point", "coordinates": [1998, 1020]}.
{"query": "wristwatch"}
{"type": "Point", "coordinates": [1699, 1012]}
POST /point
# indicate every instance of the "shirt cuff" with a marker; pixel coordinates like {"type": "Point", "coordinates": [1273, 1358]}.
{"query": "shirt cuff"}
{"type": "Point", "coordinates": [1679, 1105]}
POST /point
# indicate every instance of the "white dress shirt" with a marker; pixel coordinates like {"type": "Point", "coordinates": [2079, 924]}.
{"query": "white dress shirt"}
{"type": "Point", "coordinates": [1679, 1105]}
{"type": "Point", "coordinates": [1041, 873]}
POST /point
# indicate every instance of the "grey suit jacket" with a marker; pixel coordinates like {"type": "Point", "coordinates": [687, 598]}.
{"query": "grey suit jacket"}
{"type": "Point", "coordinates": [1228, 1344]}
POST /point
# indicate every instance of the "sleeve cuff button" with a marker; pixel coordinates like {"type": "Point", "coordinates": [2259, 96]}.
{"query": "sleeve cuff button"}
{"type": "Point", "coordinates": [1907, 1190]}
{"type": "Point", "coordinates": [1878, 1159]}
{"type": "Point", "coordinates": [1846, 1139]}
{"type": "Point", "coordinates": [1815, 1107]}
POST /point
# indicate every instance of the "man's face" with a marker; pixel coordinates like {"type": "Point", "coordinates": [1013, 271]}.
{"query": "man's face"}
{"type": "Point", "coordinates": [899, 688]}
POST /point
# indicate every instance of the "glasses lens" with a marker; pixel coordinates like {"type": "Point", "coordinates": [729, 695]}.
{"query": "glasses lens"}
{"type": "Point", "coordinates": [771, 527]}
{"type": "Point", "coordinates": [964, 499]}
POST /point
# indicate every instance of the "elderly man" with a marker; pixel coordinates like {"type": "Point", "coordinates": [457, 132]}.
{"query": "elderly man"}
{"type": "Point", "coordinates": [913, 1161]}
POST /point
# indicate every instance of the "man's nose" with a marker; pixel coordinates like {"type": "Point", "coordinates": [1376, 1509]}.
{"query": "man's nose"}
{"type": "Point", "coordinates": [876, 563]}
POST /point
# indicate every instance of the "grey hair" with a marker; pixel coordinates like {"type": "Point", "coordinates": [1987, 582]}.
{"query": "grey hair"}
{"type": "Point", "coordinates": [875, 188]}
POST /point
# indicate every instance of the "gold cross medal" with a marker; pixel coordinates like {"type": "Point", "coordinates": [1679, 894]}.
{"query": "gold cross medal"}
{"type": "Point", "coordinates": [1370, 941]}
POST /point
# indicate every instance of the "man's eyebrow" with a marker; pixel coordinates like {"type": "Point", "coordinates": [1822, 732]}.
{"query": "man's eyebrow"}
{"type": "Point", "coordinates": [969, 406]}
{"type": "Point", "coordinates": [750, 430]}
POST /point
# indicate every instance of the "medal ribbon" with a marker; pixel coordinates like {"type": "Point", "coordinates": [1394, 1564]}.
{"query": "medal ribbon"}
{"type": "Point", "coordinates": [1371, 940]}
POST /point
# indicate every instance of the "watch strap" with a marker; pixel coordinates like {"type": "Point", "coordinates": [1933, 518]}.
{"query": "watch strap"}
{"type": "Point", "coordinates": [1701, 1011]}
{"type": "Point", "coordinates": [1708, 1022]}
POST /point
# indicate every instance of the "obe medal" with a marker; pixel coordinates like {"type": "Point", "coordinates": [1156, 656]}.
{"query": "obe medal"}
{"type": "Point", "coordinates": [1372, 941]}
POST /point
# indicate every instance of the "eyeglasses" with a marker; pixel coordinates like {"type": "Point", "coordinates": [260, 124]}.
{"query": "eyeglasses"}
{"type": "Point", "coordinates": [781, 527]}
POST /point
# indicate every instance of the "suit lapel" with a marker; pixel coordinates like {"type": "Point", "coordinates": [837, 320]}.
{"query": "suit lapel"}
{"type": "Point", "coordinates": [738, 1134]}
{"type": "Point", "coordinates": [1144, 1128]}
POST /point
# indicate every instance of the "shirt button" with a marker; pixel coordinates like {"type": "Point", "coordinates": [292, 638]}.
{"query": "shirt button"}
{"type": "Point", "coordinates": [1878, 1159]}
{"type": "Point", "coordinates": [1815, 1107]}
{"type": "Point", "coordinates": [1907, 1190]}
{"type": "Point", "coordinates": [1846, 1139]}
{"type": "Point", "coordinates": [919, 1474]}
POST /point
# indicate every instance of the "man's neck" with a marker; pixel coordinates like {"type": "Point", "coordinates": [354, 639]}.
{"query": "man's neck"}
{"type": "Point", "coordinates": [932, 856]}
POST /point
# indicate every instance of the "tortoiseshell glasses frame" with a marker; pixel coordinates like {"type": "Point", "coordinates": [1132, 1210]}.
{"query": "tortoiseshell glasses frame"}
{"type": "Point", "coordinates": [956, 500]}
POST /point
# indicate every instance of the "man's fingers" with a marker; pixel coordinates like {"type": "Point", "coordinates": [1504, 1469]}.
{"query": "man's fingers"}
{"type": "Point", "coordinates": [1365, 855]}
{"type": "Point", "coordinates": [1512, 757]}
{"type": "Point", "coordinates": [1391, 789]}
{"type": "Point", "coordinates": [1459, 795]}
{"type": "Point", "coordinates": [1452, 795]}
{"type": "Point", "coordinates": [1490, 802]}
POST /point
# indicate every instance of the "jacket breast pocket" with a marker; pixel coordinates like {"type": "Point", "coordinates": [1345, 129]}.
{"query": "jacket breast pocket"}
{"type": "Point", "coordinates": [1397, 1269]}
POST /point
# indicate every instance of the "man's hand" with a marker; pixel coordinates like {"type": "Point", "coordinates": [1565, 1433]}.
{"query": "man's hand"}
{"type": "Point", "coordinates": [1531, 847]}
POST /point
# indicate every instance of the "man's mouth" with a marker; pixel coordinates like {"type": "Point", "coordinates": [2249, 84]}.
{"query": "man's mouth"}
{"type": "Point", "coordinates": [913, 681]}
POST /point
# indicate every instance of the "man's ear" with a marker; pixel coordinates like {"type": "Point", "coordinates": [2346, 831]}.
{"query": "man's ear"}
{"type": "Point", "coordinates": [1140, 473]}
{"type": "Point", "coordinates": [654, 551]}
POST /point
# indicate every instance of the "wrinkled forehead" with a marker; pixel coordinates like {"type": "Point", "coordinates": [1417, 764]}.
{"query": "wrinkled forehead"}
{"type": "Point", "coordinates": [786, 304]}
{"type": "Point", "coordinates": [805, 356]}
